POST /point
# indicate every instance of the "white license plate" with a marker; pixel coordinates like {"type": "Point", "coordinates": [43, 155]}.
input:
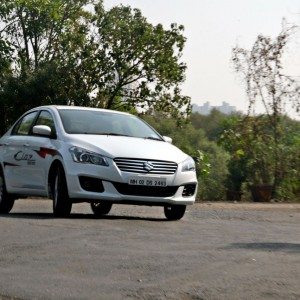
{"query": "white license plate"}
{"type": "Point", "coordinates": [147, 181]}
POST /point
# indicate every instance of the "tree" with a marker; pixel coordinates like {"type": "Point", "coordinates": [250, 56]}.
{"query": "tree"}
{"type": "Point", "coordinates": [75, 52]}
{"type": "Point", "coordinates": [40, 31]}
{"type": "Point", "coordinates": [134, 63]}
{"type": "Point", "coordinates": [235, 143]}
{"type": "Point", "coordinates": [42, 40]}
{"type": "Point", "coordinates": [262, 70]}
{"type": "Point", "coordinates": [212, 124]}
{"type": "Point", "coordinates": [249, 141]}
{"type": "Point", "coordinates": [4, 72]}
{"type": "Point", "coordinates": [290, 164]}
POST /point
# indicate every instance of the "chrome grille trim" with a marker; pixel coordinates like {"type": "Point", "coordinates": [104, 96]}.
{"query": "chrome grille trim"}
{"type": "Point", "coordinates": [133, 165]}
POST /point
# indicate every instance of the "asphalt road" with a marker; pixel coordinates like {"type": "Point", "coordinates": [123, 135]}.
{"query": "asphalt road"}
{"type": "Point", "coordinates": [218, 251]}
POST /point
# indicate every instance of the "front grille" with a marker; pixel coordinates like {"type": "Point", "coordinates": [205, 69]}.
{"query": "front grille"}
{"type": "Point", "coordinates": [147, 191]}
{"type": "Point", "coordinates": [146, 166]}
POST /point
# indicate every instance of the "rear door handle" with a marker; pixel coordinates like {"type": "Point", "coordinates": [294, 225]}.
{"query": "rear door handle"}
{"type": "Point", "coordinates": [26, 145]}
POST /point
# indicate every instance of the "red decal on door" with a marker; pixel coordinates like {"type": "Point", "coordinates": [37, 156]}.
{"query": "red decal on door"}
{"type": "Point", "coordinates": [44, 151]}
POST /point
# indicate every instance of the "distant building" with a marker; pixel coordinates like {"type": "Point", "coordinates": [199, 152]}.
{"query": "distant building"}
{"type": "Point", "coordinates": [206, 108]}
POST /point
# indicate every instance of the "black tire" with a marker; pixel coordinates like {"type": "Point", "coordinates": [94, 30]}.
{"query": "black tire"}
{"type": "Point", "coordinates": [174, 212]}
{"type": "Point", "coordinates": [101, 208]}
{"type": "Point", "coordinates": [6, 200]}
{"type": "Point", "coordinates": [62, 204]}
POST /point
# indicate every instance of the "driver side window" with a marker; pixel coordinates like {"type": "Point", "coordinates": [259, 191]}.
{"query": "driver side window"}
{"type": "Point", "coordinates": [45, 118]}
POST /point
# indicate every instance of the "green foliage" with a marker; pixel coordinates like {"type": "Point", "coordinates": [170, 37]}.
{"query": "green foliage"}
{"type": "Point", "coordinates": [211, 159]}
{"type": "Point", "coordinates": [41, 39]}
{"type": "Point", "coordinates": [243, 139]}
{"type": "Point", "coordinates": [243, 157]}
{"type": "Point", "coordinates": [39, 31]}
{"type": "Point", "coordinates": [212, 187]}
{"type": "Point", "coordinates": [60, 52]}
{"type": "Point", "coordinates": [203, 164]}
{"type": "Point", "coordinates": [262, 71]}
{"type": "Point", "coordinates": [212, 124]}
{"type": "Point", "coordinates": [250, 143]}
{"type": "Point", "coordinates": [130, 59]}
{"type": "Point", "coordinates": [289, 187]}
{"type": "Point", "coordinates": [4, 62]}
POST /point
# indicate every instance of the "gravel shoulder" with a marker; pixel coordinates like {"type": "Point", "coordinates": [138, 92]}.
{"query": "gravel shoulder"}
{"type": "Point", "coordinates": [217, 251]}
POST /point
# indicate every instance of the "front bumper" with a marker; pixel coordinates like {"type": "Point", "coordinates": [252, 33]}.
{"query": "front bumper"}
{"type": "Point", "coordinates": [112, 178]}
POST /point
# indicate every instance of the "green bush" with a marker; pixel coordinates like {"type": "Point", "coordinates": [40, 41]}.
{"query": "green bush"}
{"type": "Point", "coordinates": [212, 169]}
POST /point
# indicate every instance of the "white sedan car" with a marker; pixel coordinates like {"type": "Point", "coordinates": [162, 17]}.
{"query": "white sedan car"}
{"type": "Point", "coordinates": [103, 157]}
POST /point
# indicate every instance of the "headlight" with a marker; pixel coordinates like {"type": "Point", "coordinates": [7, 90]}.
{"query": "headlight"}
{"type": "Point", "coordinates": [87, 157]}
{"type": "Point", "coordinates": [188, 165]}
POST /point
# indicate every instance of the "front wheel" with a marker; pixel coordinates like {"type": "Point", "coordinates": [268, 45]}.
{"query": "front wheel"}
{"type": "Point", "coordinates": [6, 200]}
{"type": "Point", "coordinates": [174, 212]}
{"type": "Point", "coordinates": [62, 204]}
{"type": "Point", "coordinates": [101, 208]}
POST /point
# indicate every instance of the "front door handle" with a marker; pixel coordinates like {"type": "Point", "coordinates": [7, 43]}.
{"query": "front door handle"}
{"type": "Point", "coordinates": [26, 145]}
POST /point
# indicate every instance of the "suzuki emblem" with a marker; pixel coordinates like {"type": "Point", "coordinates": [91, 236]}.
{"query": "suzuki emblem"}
{"type": "Point", "coordinates": [148, 166]}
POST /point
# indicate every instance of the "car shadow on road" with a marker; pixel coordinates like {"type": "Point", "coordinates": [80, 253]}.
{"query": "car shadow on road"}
{"type": "Point", "coordinates": [43, 216]}
{"type": "Point", "coordinates": [276, 246]}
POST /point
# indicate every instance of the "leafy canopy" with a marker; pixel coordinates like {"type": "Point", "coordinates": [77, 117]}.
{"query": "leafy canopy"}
{"type": "Point", "coordinates": [76, 52]}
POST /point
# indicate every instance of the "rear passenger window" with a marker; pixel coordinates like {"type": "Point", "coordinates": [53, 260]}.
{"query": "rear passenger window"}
{"type": "Point", "coordinates": [24, 125]}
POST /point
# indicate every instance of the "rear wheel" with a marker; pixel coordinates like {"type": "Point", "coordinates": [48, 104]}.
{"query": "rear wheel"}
{"type": "Point", "coordinates": [6, 200]}
{"type": "Point", "coordinates": [174, 212]}
{"type": "Point", "coordinates": [101, 208]}
{"type": "Point", "coordinates": [62, 204]}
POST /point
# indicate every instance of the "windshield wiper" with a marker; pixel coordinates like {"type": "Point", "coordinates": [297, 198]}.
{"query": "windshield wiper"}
{"type": "Point", "coordinates": [108, 133]}
{"type": "Point", "coordinates": [115, 134]}
{"type": "Point", "coordinates": [152, 138]}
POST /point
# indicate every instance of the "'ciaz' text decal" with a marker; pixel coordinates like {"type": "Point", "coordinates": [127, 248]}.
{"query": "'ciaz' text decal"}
{"type": "Point", "coordinates": [19, 156]}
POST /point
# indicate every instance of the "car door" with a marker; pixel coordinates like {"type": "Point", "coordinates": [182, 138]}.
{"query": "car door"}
{"type": "Point", "coordinates": [16, 155]}
{"type": "Point", "coordinates": [42, 150]}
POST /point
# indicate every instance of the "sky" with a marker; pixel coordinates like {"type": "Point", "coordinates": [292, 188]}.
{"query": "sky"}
{"type": "Point", "coordinates": [212, 29]}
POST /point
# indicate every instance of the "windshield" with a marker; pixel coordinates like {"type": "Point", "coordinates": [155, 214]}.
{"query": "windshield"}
{"type": "Point", "coordinates": [105, 123]}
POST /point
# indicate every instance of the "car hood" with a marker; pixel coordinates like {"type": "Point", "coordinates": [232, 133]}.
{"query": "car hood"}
{"type": "Point", "coordinates": [129, 147]}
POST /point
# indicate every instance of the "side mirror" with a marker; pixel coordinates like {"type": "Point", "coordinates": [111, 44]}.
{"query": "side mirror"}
{"type": "Point", "coordinates": [168, 139]}
{"type": "Point", "coordinates": [42, 130]}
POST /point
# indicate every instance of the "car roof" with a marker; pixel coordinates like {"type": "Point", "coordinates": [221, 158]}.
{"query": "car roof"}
{"type": "Point", "coordinates": [66, 107]}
